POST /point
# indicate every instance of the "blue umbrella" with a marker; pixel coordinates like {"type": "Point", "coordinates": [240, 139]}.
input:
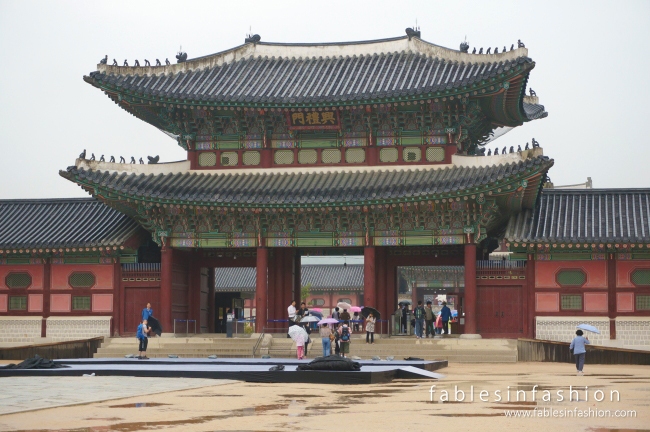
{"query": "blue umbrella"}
{"type": "Point", "coordinates": [588, 328]}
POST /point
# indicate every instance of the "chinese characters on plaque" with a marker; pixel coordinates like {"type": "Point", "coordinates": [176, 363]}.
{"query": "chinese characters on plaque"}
{"type": "Point", "coordinates": [313, 120]}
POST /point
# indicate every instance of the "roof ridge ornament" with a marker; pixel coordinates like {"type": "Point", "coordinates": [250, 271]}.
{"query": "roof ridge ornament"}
{"type": "Point", "coordinates": [181, 56]}
{"type": "Point", "coordinates": [413, 32]}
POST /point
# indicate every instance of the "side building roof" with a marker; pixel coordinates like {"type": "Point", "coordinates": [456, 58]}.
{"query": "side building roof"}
{"type": "Point", "coordinates": [321, 277]}
{"type": "Point", "coordinates": [584, 215]}
{"type": "Point", "coordinates": [67, 222]}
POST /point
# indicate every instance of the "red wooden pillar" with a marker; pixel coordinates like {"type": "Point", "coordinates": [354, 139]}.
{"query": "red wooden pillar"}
{"type": "Point", "coordinates": [470, 286]}
{"type": "Point", "coordinates": [47, 283]}
{"type": "Point", "coordinates": [261, 289]}
{"type": "Point", "coordinates": [212, 309]}
{"type": "Point", "coordinates": [530, 298]}
{"type": "Point", "coordinates": [369, 275]}
{"type": "Point", "coordinates": [166, 271]}
{"type": "Point", "coordinates": [391, 291]}
{"type": "Point", "coordinates": [611, 294]}
{"type": "Point", "coordinates": [272, 297]}
{"type": "Point", "coordinates": [279, 286]}
{"type": "Point", "coordinates": [297, 281]}
{"type": "Point", "coordinates": [381, 281]}
{"type": "Point", "coordinates": [117, 323]}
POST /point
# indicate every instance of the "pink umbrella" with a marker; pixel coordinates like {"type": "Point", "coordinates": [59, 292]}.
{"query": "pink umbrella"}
{"type": "Point", "coordinates": [355, 309]}
{"type": "Point", "coordinates": [316, 310]}
{"type": "Point", "coordinates": [328, 321]}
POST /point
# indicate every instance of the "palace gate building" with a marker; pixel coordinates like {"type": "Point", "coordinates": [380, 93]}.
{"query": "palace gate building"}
{"type": "Point", "coordinates": [362, 148]}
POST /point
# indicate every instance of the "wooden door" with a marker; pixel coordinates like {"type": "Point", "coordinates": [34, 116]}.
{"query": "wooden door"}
{"type": "Point", "coordinates": [510, 305]}
{"type": "Point", "coordinates": [136, 299]}
{"type": "Point", "coordinates": [488, 312]}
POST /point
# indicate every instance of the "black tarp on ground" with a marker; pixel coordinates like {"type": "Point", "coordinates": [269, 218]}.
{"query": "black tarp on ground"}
{"type": "Point", "coordinates": [36, 362]}
{"type": "Point", "coordinates": [330, 363]}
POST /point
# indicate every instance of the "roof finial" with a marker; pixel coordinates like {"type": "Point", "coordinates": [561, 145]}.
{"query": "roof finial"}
{"type": "Point", "coordinates": [181, 56]}
{"type": "Point", "coordinates": [410, 32]}
{"type": "Point", "coordinates": [464, 46]}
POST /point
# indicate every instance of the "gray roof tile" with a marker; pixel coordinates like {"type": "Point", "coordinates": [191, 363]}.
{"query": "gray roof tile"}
{"type": "Point", "coordinates": [68, 222]}
{"type": "Point", "coordinates": [585, 215]}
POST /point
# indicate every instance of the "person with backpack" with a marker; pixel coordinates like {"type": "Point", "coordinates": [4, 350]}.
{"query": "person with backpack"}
{"type": "Point", "coordinates": [345, 332]}
{"type": "Point", "coordinates": [419, 314]}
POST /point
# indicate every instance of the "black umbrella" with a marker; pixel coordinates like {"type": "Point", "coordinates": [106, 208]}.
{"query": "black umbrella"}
{"type": "Point", "coordinates": [367, 310]}
{"type": "Point", "coordinates": [404, 302]}
{"type": "Point", "coordinates": [155, 325]}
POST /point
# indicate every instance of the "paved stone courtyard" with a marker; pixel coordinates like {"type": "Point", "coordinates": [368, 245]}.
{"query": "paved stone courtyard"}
{"type": "Point", "coordinates": [126, 404]}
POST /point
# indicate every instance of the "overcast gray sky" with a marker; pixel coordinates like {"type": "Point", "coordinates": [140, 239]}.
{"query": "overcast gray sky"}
{"type": "Point", "coordinates": [592, 72]}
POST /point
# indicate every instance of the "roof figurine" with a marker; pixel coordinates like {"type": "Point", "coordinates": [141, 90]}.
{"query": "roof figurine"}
{"type": "Point", "coordinates": [114, 62]}
{"type": "Point", "coordinates": [101, 159]}
{"type": "Point", "coordinates": [474, 50]}
{"type": "Point", "coordinates": [153, 160]}
{"type": "Point", "coordinates": [253, 39]}
{"type": "Point", "coordinates": [132, 160]}
{"type": "Point", "coordinates": [92, 156]}
{"type": "Point", "coordinates": [410, 32]}
{"type": "Point", "coordinates": [104, 60]}
{"type": "Point", "coordinates": [136, 64]}
{"type": "Point", "coordinates": [122, 160]}
{"type": "Point", "coordinates": [83, 154]}
{"type": "Point", "coordinates": [146, 62]}
{"type": "Point", "coordinates": [181, 56]}
{"type": "Point", "coordinates": [518, 148]}
{"type": "Point", "coordinates": [126, 63]}
{"type": "Point", "coordinates": [464, 47]}
{"type": "Point", "coordinates": [532, 92]}
{"type": "Point", "coordinates": [158, 62]}
{"type": "Point", "coordinates": [112, 160]}
{"type": "Point", "coordinates": [141, 161]}
{"type": "Point", "coordinates": [520, 44]}
{"type": "Point", "coordinates": [535, 143]}
{"type": "Point", "coordinates": [512, 47]}
{"type": "Point", "coordinates": [480, 51]}
{"type": "Point", "coordinates": [167, 62]}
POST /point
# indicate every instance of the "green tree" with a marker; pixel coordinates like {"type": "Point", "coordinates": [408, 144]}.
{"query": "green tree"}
{"type": "Point", "coordinates": [305, 291]}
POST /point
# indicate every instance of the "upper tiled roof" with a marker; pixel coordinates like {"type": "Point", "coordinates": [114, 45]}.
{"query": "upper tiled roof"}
{"type": "Point", "coordinates": [70, 222]}
{"type": "Point", "coordinates": [321, 277]}
{"type": "Point", "coordinates": [585, 215]}
{"type": "Point", "coordinates": [304, 188]}
{"type": "Point", "coordinates": [315, 73]}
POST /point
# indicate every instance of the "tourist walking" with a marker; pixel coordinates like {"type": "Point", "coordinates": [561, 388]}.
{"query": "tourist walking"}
{"type": "Point", "coordinates": [404, 317]}
{"type": "Point", "coordinates": [291, 312]}
{"type": "Point", "coordinates": [370, 329]}
{"type": "Point", "coordinates": [147, 312]}
{"type": "Point", "coordinates": [439, 324]}
{"type": "Point", "coordinates": [325, 333]}
{"type": "Point", "coordinates": [142, 335]}
{"type": "Point", "coordinates": [429, 317]}
{"type": "Point", "coordinates": [445, 314]}
{"type": "Point", "coordinates": [345, 333]}
{"type": "Point", "coordinates": [357, 319]}
{"type": "Point", "coordinates": [303, 311]}
{"type": "Point", "coordinates": [579, 351]}
{"type": "Point", "coordinates": [300, 346]}
{"type": "Point", "coordinates": [419, 313]}
{"type": "Point", "coordinates": [337, 339]}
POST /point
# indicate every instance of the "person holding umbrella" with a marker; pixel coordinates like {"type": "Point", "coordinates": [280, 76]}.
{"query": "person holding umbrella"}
{"type": "Point", "coordinates": [579, 351]}
{"type": "Point", "coordinates": [141, 335]}
{"type": "Point", "coordinates": [300, 336]}
{"type": "Point", "coordinates": [370, 329]}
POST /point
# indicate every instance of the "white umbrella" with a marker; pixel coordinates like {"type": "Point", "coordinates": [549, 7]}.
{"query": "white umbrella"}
{"type": "Point", "coordinates": [310, 318]}
{"type": "Point", "coordinates": [298, 333]}
{"type": "Point", "coordinates": [344, 305]}
{"type": "Point", "coordinates": [588, 327]}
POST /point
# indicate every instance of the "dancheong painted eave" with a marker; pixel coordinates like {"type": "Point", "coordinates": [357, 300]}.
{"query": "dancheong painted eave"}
{"type": "Point", "coordinates": [298, 75]}
{"type": "Point", "coordinates": [308, 189]}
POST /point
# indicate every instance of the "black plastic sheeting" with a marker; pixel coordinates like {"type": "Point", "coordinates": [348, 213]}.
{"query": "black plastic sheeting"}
{"type": "Point", "coordinates": [330, 363]}
{"type": "Point", "coordinates": [259, 374]}
{"type": "Point", "coordinates": [36, 362]}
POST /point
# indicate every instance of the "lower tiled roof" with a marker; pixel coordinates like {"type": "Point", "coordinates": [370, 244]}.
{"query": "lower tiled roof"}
{"type": "Point", "coordinates": [585, 215]}
{"type": "Point", "coordinates": [303, 188]}
{"type": "Point", "coordinates": [68, 222]}
{"type": "Point", "coordinates": [321, 277]}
